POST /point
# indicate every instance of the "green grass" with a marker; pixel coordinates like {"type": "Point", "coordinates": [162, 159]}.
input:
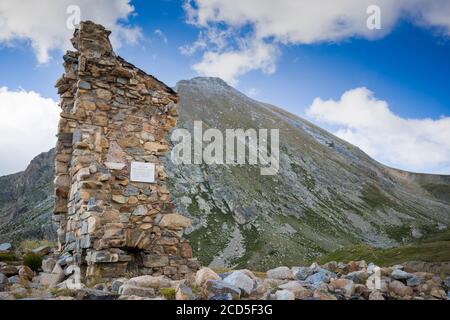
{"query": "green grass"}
{"type": "Point", "coordinates": [168, 293]}
{"type": "Point", "coordinates": [8, 257]}
{"type": "Point", "coordinates": [29, 245]}
{"type": "Point", "coordinates": [440, 191]}
{"type": "Point", "coordinates": [435, 248]}
{"type": "Point", "coordinates": [375, 198]}
{"type": "Point", "coordinates": [33, 261]}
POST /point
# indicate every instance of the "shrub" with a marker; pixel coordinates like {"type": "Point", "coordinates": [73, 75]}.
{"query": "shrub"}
{"type": "Point", "coordinates": [8, 256]}
{"type": "Point", "coordinates": [33, 261]}
{"type": "Point", "coordinates": [168, 293]}
{"type": "Point", "coordinates": [29, 245]}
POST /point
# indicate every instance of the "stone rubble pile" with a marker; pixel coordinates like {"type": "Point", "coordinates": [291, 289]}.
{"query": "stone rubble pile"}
{"type": "Point", "coordinates": [332, 281]}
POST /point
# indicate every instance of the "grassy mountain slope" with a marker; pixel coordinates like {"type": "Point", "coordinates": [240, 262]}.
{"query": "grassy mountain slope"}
{"type": "Point", "coordinates": [328, 194]}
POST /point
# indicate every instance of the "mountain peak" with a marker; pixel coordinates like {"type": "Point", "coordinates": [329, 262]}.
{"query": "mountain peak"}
{"type": "Point", "coordinates": [205, 81]}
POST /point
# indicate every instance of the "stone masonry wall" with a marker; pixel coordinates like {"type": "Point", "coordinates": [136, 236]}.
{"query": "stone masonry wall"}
{"type": "Point", "coordinates": [114, 114]}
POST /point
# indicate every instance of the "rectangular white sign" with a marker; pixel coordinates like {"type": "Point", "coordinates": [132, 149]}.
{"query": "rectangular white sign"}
{"type": "Point", "coordinates": [142, 172]}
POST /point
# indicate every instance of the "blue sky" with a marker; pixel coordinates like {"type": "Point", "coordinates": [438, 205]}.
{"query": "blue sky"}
{"type": "Point", "coordinates": [406, 65]}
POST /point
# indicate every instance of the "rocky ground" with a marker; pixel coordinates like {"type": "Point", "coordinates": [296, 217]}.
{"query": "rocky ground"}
{"type": "Point", "coordinates": [331, 281]}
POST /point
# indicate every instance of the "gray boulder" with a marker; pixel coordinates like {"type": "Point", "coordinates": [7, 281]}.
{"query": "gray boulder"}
{"type": "Point", "coordinates": [414, 281]}
{"type": "Point", "coordinates": [42, 251]}
{"type": "Point", "coordinates": [398, 274]}
{"type": "Point", "coordinates": [9, 270]}
{"type": "Point", "coordinates": [358, 277]}
{"type": "Point", "coordinates": [48, 265]}
{"type": "Point", "coordinates": [92, 294]}
{"type": "Point", "coordinates": [216, 288]}
{"type": "Point", "coordinates": [319, 277]}
{"type": "Point", "coordinates": [284, 295]}
{"type": "Point", "coordinates": [49, 279]}
{"type": "Point", "coordinates": [240, 280]}
{"type": "Point", "coordinates": [14, 280]}
{"type": "Point", "coordinates": [130, 290]}
{"type": "Point", "coordinates": [301, 273]}
{"type": "Point", "coordinates": [5, 247]}
{"type": "Point", "coordinates": [117, 283]}
{"type": "Point", "coordinates": [281, 273]}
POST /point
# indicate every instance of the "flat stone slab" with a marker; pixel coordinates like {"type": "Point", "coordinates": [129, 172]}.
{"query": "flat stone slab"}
{"type": "Point", "coordinates": [5, 247]}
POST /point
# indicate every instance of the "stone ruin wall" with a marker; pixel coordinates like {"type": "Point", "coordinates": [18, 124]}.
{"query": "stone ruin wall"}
{"type": "Point", "coordinates": [114, 114]}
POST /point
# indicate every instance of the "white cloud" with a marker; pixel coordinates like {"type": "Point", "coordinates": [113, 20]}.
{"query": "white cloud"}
{"type": "Point", "coordinates": [421, 145]}
{"type": "Point", "coordinates": [287, 22]}
{"type": "Point", "coordinates": [43, 22]}
{"type": "Point", "coordinates": [161, 35]}
{"type": "Point", "coordinates": [229, 65]}
{"type": "Point", "coordinates": [28, 125]}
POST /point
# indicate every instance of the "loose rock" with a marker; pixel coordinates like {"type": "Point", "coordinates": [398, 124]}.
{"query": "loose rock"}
{"type": "Point", "coordinates": [5, 247]}
{"type": "Point", "coordinates": [214, 288]}
{"type": "Point", "coordinates": [205, 274]}
{"type": "Point", "coordinates": [284, 295]}
{"type": "Point", "coordinates": [280, 273]}
{"type": "Point", "coordinates": [241, 281]}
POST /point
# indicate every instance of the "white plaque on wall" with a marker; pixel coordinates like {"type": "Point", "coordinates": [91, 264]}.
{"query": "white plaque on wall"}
{"type": "Point", "coordinates": [142, 172]}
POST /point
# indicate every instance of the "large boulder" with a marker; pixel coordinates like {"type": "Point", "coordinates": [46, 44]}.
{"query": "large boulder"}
{"type": "Point", "coordinates": [9, 270]}
{"type": "Point", "coordinates": [5, 247]}
{"type": "Point", "coordinates": [183, 293]}
{"type": "Point", "coordinates": [204, 275]}
{"type": "Point", "coordinates": [26, 273]}
{"type": "Point", "coordinates": [117, 283]}
{"type": "Point", "coordinates": [345, 285]}
{"type": "Point", "coordinates": [376, 295]}
{"type": "Point", "coordinates": [92, 294]}
{"type": "Point", "coordinates": [281, 273]}
{"type": "Point", "coordinates": [131, 290]}
{"type": "Point", "coordinates": [42, 250]}
{"type": "Point", "coordinates": [218, 288]}
{"type": "Point", "coordinates": [49, 279]}
{"type": "Point", "coordinates": [438, 293]}
{"type": "Point", "coordinates": [323, 295]}
{"type": "Point", "coordinates": [48, 265]}
{"type": "Point", "coordinates": [284, 295]}
{"type": "Point", "coordinates": [301, 273]}
{"type": "Point", "coordinates": [297, 289]}
{"type": "Point", "coordinates": [398, 274]}
{"type": "Point", "coordinates": [358, 277]}
{"type": "Point", "coordinates": [399, 289]}
{"type": "Point", "coordinates": [318, 278]}
{"type": "Point", "coordinates": [414, 281]}
{"type": "Point", "coordinates": [241, 281]}
{"type": "Point", "coordinates": [14, 280]}
{"type": "Point", "coordinates": [157, 282]}
{"type": "Point", "coordinates": [53, 278]}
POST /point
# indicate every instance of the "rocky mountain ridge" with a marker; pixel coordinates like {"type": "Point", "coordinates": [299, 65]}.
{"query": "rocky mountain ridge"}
{"type": "Point", "coordinates": [26, 201]}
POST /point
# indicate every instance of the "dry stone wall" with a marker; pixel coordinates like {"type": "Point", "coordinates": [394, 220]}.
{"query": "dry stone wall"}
{"type": "Point", "coordinates": [113, 126]}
